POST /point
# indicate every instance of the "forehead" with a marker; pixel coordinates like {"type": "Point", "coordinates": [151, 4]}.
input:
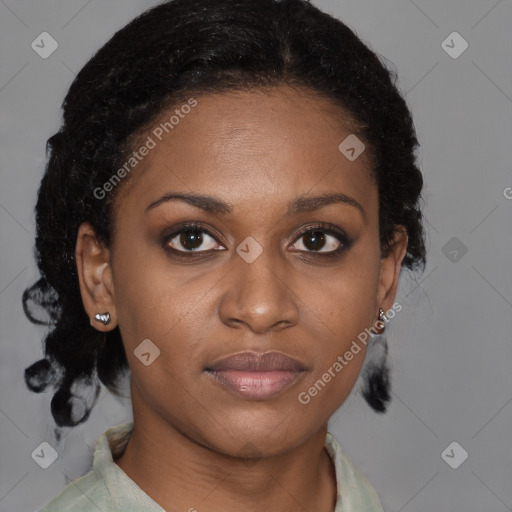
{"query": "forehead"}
{"type": "Point", "coordinates": [263, 146]}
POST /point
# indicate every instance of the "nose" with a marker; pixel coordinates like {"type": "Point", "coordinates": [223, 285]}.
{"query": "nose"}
{"type": "Point", "coordinates": [259, 295]}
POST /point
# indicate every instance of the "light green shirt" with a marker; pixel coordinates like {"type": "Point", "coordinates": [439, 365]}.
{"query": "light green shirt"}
{"type": "Point", "coordinates": [107, 488]}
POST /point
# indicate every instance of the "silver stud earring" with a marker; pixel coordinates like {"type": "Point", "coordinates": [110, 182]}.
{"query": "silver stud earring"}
{"type": "Point", "coordinates": [104, 318]}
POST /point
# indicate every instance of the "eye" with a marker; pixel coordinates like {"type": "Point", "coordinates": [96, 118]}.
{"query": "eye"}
{"type": "Point", "coordinates": [191, 238]}
{"type": "Point", "coordinates": [322, 239]}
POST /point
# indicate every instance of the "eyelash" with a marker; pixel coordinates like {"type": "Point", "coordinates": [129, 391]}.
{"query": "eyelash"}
{"type": "Point", "coordinates": [345, 241]}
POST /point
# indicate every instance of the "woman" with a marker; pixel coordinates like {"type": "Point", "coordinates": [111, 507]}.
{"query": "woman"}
{"type": "Point", "coordinates": [226, 211]}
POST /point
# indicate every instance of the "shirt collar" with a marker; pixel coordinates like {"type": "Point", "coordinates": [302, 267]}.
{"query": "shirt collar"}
{"type": "Point", "coordinates": [354, 491]}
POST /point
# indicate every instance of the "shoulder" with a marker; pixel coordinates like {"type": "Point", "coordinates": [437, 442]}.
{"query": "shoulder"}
{"type": "Point", "coordinates": [106, 487]}
{"type": "Point", "coordinates": [91, 491]}
{"type": "Point", "coordinates": [85, 494]}
{"type": "Point", "coordinates": [355, 492]}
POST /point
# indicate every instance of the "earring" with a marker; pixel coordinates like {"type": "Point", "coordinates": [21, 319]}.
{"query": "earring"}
{"type": "Point", "coordinates": [380, 323]}
{"type": "Point", "coordinates": [376, 384]}
{"type": "Point", "coordinates": [104, 318]}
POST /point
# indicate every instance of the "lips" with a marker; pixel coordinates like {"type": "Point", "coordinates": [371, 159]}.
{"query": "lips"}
{"type": "Point", "coordinates": [256, 362]}
{"type": "Point", "coordinates": [254, 375]}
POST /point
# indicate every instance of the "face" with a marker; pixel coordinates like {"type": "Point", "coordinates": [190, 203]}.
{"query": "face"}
{"type": "Point", "coordinates": [259, 267]}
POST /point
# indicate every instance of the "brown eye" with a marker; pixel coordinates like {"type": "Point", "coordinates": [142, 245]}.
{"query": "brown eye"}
{"type": "Point", "coordinates": [192, 240]}
{"type": "Point", "coordinates": [316, 240]}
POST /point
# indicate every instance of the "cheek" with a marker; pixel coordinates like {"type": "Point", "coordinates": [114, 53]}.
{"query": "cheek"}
{"type": "Point", "coordinates": [158, 303]}
{"type": "Point", "coordinates": [345, 298]}
{"type": "Point", "coordinates": [343, 307]}
{"type": "Point", "coordinates": [148, 297]}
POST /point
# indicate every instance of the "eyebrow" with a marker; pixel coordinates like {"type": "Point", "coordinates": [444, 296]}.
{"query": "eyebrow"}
{"type": "Point", "coordinates": [217, 206]}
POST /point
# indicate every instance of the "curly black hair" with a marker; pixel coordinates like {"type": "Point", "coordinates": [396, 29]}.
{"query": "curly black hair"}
{"type": "Point", "coordinates": [174, 50]}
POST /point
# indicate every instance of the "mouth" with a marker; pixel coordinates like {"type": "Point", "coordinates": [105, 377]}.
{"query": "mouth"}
{"type": "Point", "coordinates": [256, 376]}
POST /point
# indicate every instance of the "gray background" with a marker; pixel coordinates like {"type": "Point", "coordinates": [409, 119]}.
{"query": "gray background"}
{"type": "Point", "coordinates": [450, 345]}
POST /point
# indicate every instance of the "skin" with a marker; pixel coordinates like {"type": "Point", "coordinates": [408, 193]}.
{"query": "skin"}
{"type": "Point", "coordinates": [257, 152]}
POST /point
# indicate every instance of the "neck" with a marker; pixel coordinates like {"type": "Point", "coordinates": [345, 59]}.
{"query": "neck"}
{"type": "Point", "coordinates": [181, 472]}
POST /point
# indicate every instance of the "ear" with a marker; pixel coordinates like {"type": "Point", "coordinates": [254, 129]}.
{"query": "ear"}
{"type": "Point", "coordinates": [95, 277]}
{"type": "Point", "coordinates": [390, 266]}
